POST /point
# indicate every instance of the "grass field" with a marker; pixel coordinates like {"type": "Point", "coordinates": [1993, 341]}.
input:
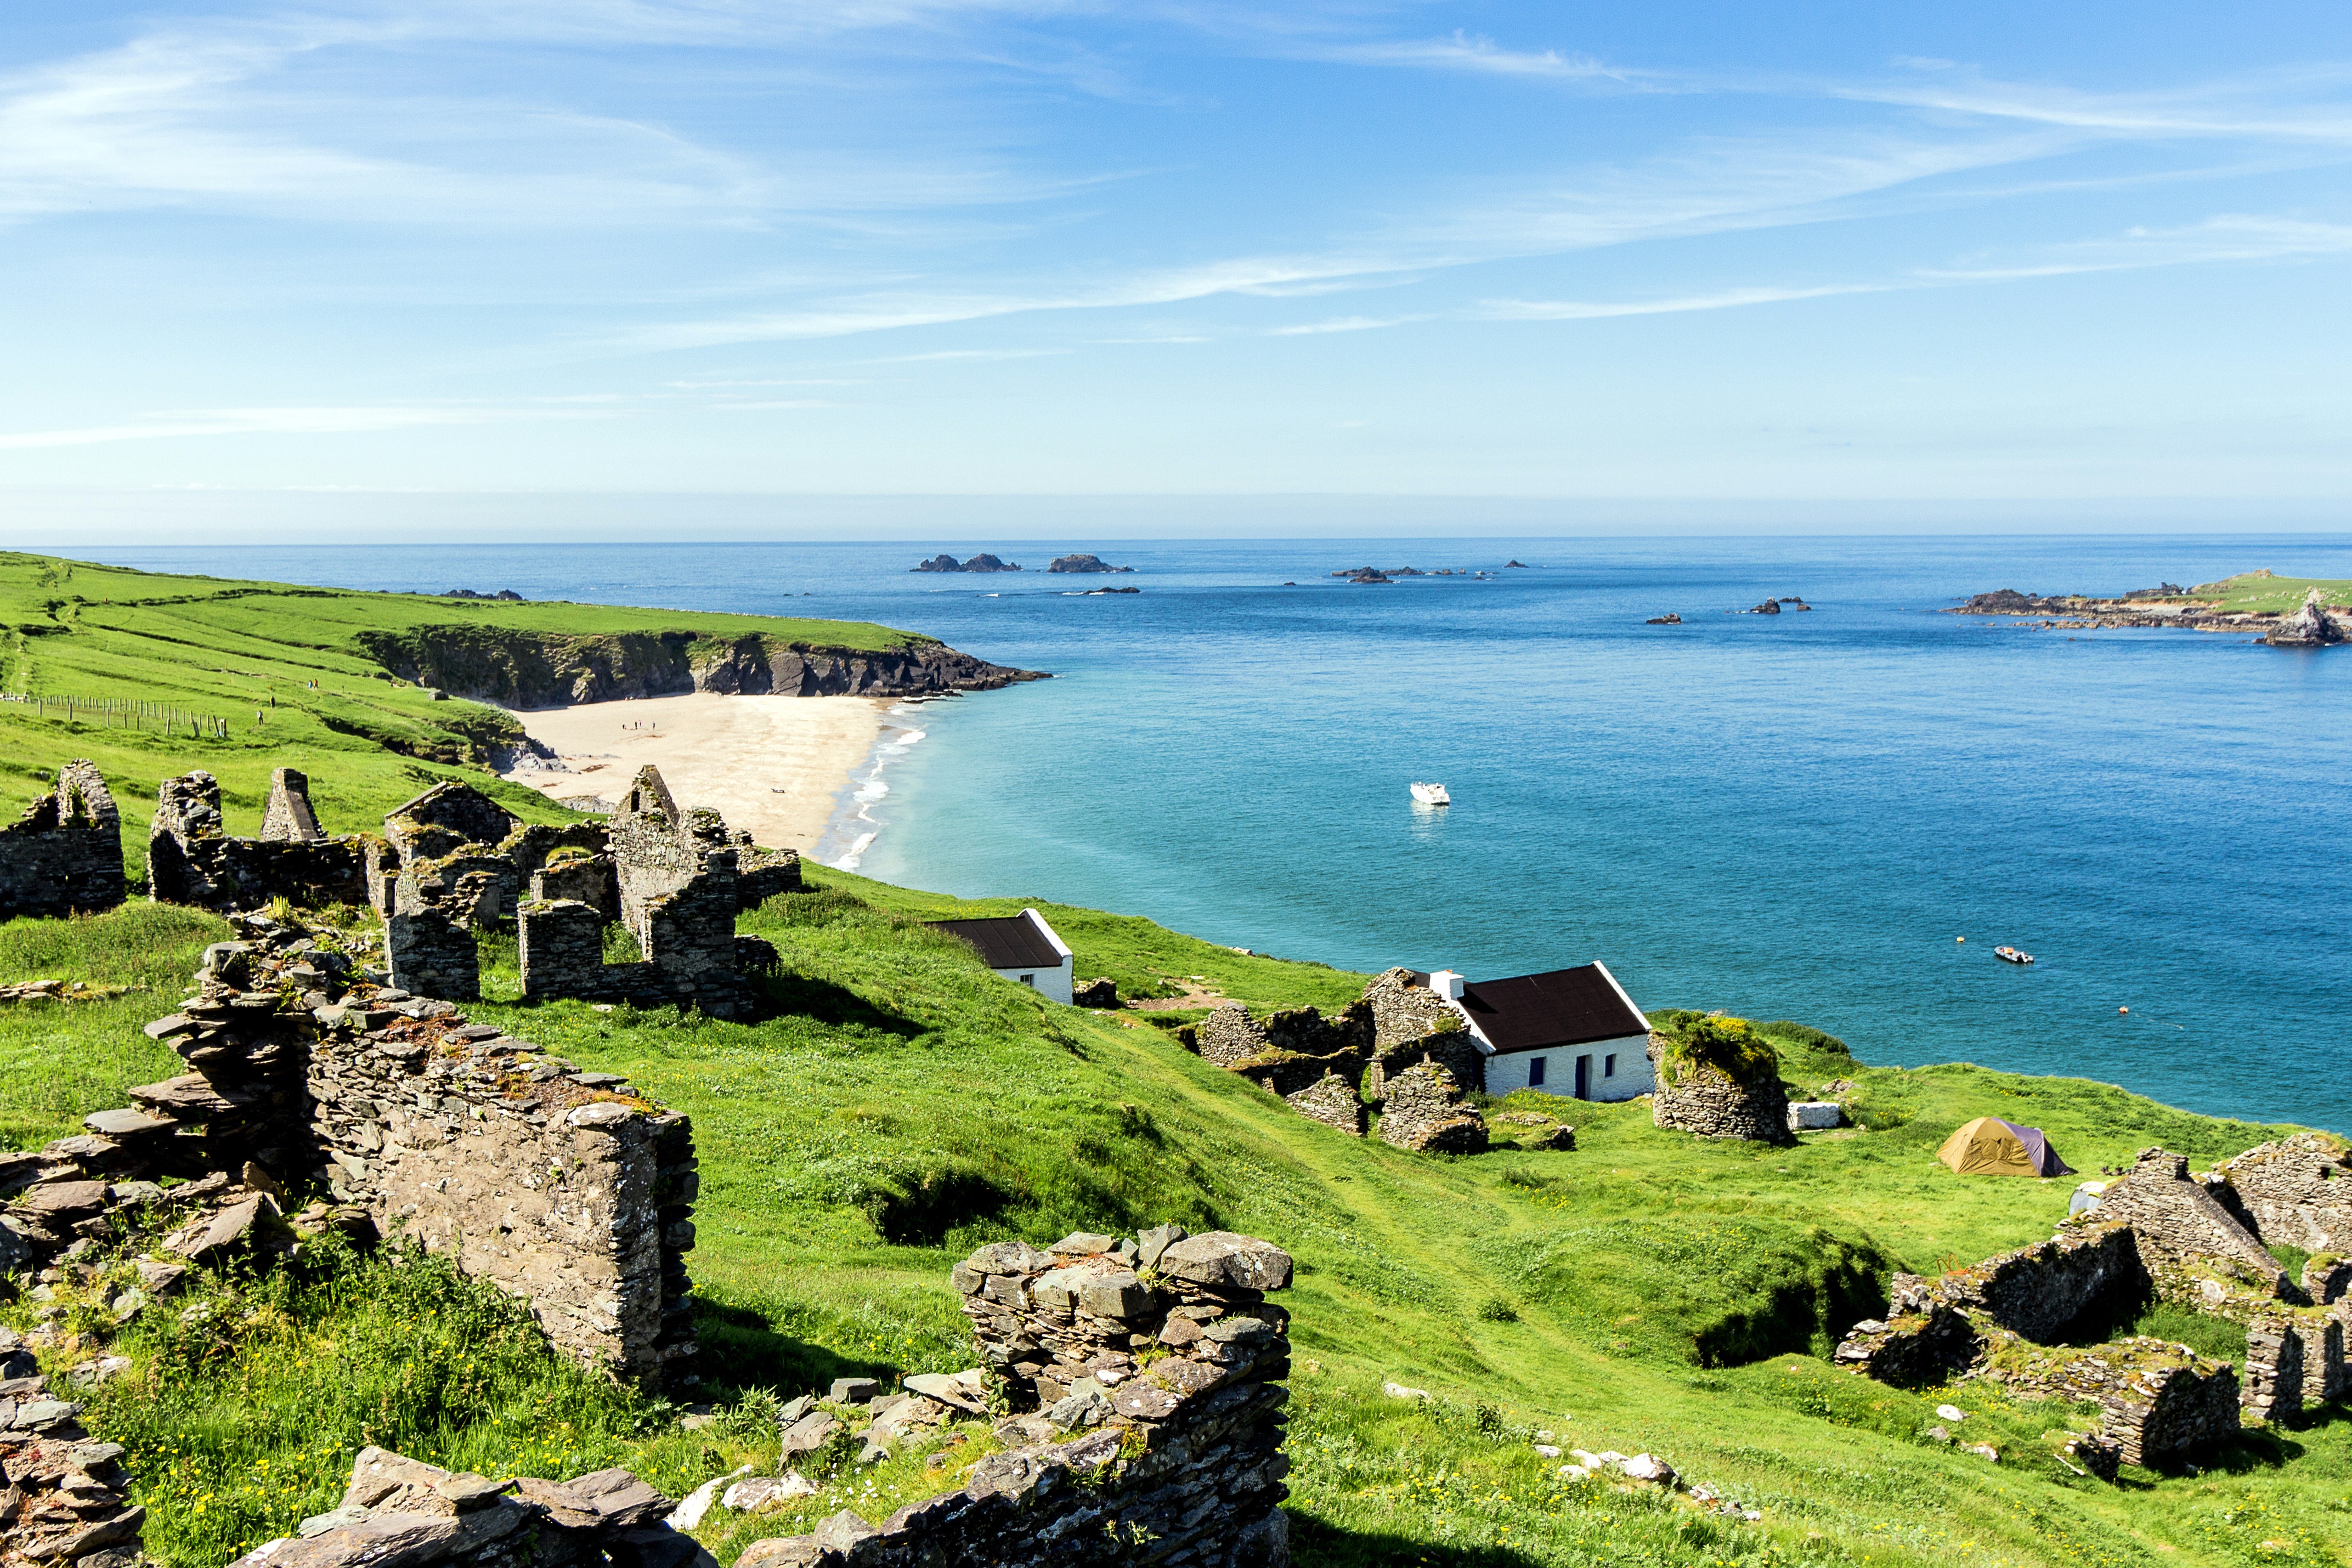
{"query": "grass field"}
{"type": "Point", "coordinates": [1647, 1290]}
{"type": "Point", "coordinates": [2251, 592]}
{"type": "Point", "coordinates": [296, 675]}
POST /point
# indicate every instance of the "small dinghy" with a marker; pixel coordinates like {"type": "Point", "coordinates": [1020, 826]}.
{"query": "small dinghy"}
{"type": "Point", "coordinates": [1432, 795]}
{"type": "Point", "coordinates": [2011, 955]}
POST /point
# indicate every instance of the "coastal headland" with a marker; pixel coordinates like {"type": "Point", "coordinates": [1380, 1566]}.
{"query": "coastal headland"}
{"type": "Point", "coordinates": [2257, 601]}
{"type": "Point", "coordinates": [377, 695]}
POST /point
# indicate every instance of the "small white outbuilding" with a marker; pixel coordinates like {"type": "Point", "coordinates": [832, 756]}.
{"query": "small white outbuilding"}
{"type": "Point", "coordinates": [1021, 948]}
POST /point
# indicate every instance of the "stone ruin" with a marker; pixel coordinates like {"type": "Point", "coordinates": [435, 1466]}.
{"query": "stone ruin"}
{"type": "Point", "coordinates": [1398, 1047]}
{"type": "Point", "coordinates": [455, 861]}
{"type": "Point", "coordinates": [1699, 1097]}
{"type": "Point", "coordinates": [1144, 1384]}
{"type": "Point", "coordinates": [66, 1499]}
{"type": "Point", "coordinates": [399, 1510]}
{"type": "Point", "coordinates": [192, 859]}
{"type": "Point", "coordinates": [2155, 1234]}
{"type": "Point", "coordinates": [564, 1188]}
{"type": "Point", "coordinates": [64, 855]}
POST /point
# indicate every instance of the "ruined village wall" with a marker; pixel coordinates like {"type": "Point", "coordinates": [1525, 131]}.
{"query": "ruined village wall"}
{"type": "Point", "coordinates": [2297, 1192]}
{"type": "Point", "coordinates": [561, 1186]}
{"type": "Point", "coordinates": [1110, 1457]}
{"type": "Point", "coordinates": [1696, 1098]}
{"type": "Point", "coordinates": [64, 855]}
{"type": "Point", "coordinates": [2037, 1292]}
{"type": "Point", "coordinates": [192, 859]}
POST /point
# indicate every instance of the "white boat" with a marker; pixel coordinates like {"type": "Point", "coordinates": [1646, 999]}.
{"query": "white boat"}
{"type": "Point", "coordinates": [1432, 795]}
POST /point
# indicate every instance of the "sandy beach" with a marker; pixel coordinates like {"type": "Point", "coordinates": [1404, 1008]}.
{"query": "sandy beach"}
{"type": "Point", "coordinates": [771, 765]}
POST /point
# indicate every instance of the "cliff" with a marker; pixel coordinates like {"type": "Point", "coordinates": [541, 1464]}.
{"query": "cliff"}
{"type": "Point", "coordinates": [522, 669]}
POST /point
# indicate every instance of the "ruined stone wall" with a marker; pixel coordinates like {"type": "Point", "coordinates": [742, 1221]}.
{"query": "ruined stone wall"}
{"type": "Point", "coordinates": [1403, 1012]}
{"type": "Point", "coordinates": [66, 1499]}
{"type": "Point", "coordinates": [1332, 1100]}
{"type": "Point", "coordinates": [288, 818]}
{"type": "Point", "coordinates": [192, 859]}
{"type": "Point", "coordinates": [1424, 1112]}
{"type": "Point", "coordinates": [2186, 1237]}
{"type": "Point", "coordinates": [1411, 1024]}
{"type": "Point", "coordinates": [2159, 1401]}
{"type": "Point", "coordinates": [2297, 1192]}
{"type": "Point", "coordinates": [64, 855]}
{"type": "Point", "coordinates": [1145, 1379]}
{"type": "Point", "coordinates": [564, 1187]}
{"type": "Point", "coordinates": [399, 1512]}
{"type": "Point", "coordinates": [1695, 1098]}
{"type": "Point", "coordinates": [2039, 1291]}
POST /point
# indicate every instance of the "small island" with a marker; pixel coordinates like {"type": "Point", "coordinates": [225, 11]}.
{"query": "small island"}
{"type": "Point", "coordinates": [982, 562]}
{"type": "Point", "coordinates": [2288, 612]}
{"type": "Point", "coordinates": [1084, 564]}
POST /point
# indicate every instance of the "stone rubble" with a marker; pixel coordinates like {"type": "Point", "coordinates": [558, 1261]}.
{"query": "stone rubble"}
{"type": "Point", "coordinates": [1142, 1380]}
{"type": "Point", "coordinates": [66, 1499]}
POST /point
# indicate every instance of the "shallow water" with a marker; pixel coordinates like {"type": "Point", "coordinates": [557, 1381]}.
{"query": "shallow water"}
{"type": "Point", "coordinates": [1785, 816]}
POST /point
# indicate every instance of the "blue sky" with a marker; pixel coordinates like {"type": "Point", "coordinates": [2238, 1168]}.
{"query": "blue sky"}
{"type": "Point", "coordinates": [2091, 253]}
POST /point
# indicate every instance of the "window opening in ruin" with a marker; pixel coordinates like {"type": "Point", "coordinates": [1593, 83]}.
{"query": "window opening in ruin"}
{"type": "Point", "coordinates": [1535, 1072]}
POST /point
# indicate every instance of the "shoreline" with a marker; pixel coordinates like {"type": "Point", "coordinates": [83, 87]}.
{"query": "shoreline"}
{"type": "Point", "coordinates": [852, 829]}
{"type": "Point", "coordinates": [775, 767]}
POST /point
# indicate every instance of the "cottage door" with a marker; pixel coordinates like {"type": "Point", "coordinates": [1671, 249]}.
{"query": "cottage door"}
{"type": "Point", "coordinates": [1585, 1078]}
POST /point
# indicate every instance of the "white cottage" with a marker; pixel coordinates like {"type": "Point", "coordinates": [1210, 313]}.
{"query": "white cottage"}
{"type": "Point", "coordinates": [1572, 1032]}
{"type": "Point", "coordinates": [1021, 948]}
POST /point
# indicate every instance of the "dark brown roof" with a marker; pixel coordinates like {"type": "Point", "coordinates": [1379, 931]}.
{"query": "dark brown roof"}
{"type": "Point", "coordinates": [1566, 1007]}
{"type": "Point", "coordinates": [1006, 942]}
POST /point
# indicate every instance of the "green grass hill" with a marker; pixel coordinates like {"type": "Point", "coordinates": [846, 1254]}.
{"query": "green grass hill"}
{"type": "Point", "coordinates": [122, 662]}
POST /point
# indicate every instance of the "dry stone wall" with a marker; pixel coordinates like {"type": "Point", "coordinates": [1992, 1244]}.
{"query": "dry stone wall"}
{"type": "Point", "coordinates": [1693, 1097]}
{"type": "Point", "coordinates": [1424, 1112]}
{"type": "Point", "coordinates": [2297, 1192]}
{"type": "Point", "coordinates": [565, 1187]}
{"type": "Point", "coordinates": [64, 855]}
{"type": "Point", "coordinates": [192, 859]}
{"type": "Point", "coordinates": [1144, 1378]}
{"type": "Point", "coordinates": [66, 1499]}
{"type": "Point", "coordinates": [398, 1512]}
{"type": "Point", "coordinates": [2157, 1401]}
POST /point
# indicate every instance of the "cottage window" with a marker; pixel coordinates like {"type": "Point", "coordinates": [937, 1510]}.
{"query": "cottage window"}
{"type": "Point", "coordinates": [1535, 1072]}
{"type": "Point", "coordinates": [1029, 980]}
{"type": "Point", "coordinates": [1608, 1066]}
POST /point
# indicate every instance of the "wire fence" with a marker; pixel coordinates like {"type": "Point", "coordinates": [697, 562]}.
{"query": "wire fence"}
{"type": "Point", "coordinates": [124, 713]}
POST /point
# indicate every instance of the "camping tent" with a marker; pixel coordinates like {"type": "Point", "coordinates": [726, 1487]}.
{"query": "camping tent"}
{"type": "Point", "coordinates": [1991, 1146]}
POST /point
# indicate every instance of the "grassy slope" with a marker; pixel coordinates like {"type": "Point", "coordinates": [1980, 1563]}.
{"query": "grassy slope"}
{"type": "Point", "coordinates": [908, 1104]}
{"type": "Point", "coordinates": [2248, 593]}
{"type": "Point", "coordinates": [226, 649]}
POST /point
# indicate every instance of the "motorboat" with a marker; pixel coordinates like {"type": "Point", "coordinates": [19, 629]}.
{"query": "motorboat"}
{"type": "Point", "coordinates": [2011, 955]}
{"type": "Point", "coordinates": [1432, 795]}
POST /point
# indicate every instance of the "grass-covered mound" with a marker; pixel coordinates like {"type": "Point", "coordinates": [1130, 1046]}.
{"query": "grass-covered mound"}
{"type": "Point", "coordinates": [904, 1103]}
{"type": "Point", "coordinates": [1712, 1041]}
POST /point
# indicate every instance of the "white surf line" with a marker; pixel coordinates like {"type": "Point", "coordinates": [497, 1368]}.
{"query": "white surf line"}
{"type": "Point", "coordinates": [855, 827]}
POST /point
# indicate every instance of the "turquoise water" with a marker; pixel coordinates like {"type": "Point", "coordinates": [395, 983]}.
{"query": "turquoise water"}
{"type": "Point", "coordinates": [1788, 816]}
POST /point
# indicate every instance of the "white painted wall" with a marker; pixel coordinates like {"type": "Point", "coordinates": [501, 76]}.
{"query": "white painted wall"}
{"type": "Point", "coordinates": [1508, 1071]}
{"type": "Point", "coordinates": [1052, 984]}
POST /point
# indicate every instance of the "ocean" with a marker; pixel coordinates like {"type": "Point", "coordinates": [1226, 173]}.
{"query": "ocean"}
{"type": "Point", "coordinates": [1786, 816]}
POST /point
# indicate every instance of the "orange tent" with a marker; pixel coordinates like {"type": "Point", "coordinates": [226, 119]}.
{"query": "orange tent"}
{"type": "Point", "coordinates": [1991, 1146]}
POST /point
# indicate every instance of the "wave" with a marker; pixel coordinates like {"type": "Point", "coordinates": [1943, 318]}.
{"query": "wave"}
{"type": "Point", "coordinates": [855, 827]}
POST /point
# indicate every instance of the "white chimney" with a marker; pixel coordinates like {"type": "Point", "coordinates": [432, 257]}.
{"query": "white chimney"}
{"type": "Point", "coordinates": [1446, 984]}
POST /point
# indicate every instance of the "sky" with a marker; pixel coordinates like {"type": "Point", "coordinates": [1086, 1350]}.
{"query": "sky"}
{"type": "Point", "coordinates": [2081, 263]}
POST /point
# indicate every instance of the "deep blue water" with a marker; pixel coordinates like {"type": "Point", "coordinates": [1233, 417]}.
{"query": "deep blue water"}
{"type": "Point", "coordinates": [1789, 816]}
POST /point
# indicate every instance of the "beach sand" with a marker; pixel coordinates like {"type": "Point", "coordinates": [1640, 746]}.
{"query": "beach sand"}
{"type": "Point", "coordinates": [771, 766]}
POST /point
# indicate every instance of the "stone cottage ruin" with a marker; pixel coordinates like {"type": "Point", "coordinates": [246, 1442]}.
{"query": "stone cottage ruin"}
{"type": "Point", "coordinates": [192, 859]}
{"type": "Point", "coordinates": [64, 855]}
{"type": "Point", "coordinates": [565, 1187]}
{"type": "Point", "coordinates": [2199, 1243]}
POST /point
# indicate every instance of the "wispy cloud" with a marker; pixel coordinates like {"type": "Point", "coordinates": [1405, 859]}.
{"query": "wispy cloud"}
{"type": "Point", "coordinates": [1343, 324]}
{"type": "Point", "coordinates": [323, 421]}
{"type": "Point", "coordinates": [1466, 52]}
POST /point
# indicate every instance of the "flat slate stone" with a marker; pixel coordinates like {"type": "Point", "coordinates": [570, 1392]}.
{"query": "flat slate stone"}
{"type": "Point", "coordinates": [1221, 1257]}
{"type": "Point", "coordinates": [126, 1123]}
